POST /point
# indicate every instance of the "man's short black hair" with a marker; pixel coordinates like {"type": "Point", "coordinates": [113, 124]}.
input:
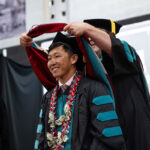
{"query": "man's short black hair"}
{"type": "Point", "coordinates": [70, 51]}
{"type": "Point", "coordinates": [66, 47]}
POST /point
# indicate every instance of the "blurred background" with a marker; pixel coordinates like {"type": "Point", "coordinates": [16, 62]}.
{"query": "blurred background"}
{"type": "Point", "coordinates": [17, 16]}
{"type": "Point", "coordinates": [20, 90]}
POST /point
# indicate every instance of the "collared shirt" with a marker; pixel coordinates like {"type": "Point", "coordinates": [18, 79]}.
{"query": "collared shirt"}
{"type": "Point", "coordinates": [68, 83]}
{"type": "Point", "coordinates": [61, 101]}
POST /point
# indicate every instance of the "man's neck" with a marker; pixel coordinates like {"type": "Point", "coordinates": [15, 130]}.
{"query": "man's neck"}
{"type": "Point", "coordinates": [66, 77]}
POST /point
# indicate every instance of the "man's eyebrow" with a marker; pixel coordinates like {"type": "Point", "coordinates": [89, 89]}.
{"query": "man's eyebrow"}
{"type": "Point", "coordinates": [53, 54]}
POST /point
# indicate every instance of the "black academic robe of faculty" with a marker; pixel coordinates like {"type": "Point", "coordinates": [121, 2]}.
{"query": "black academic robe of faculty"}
{"type": "Point", "coordinates": [132, 103]}
{"type": "Point", "coordinates": [95, 123]}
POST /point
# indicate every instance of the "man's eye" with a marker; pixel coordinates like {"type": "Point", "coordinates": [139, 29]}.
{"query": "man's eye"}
{"type": "Point", "coordinates": [57, 56]}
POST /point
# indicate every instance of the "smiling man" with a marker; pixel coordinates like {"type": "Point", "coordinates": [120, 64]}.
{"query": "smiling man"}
{"type": "Point", "coordinates": [59, 64]}
{"type": "Point", "coordinates": [78, 114]}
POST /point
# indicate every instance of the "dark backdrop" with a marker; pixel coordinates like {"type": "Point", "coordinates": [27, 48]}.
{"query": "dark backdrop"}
{"type": "Point", "coordinates": [20, 96]}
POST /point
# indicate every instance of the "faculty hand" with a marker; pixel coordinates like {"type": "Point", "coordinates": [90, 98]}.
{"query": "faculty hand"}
{"type": "Point", "coordinates": [76, 28]}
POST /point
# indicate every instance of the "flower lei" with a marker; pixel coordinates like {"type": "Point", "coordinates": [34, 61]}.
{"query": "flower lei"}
{"type": "Point", "coordinates": [56, 140]}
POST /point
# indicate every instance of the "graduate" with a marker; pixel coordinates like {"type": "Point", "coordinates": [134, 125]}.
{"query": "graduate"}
{"type": "Point", "coordinates": [125, 69]}
{"type": "Point", "coordinates": [78, 113]}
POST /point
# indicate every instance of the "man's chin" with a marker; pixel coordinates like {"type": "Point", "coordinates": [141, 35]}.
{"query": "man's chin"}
{"type": "Point", "coordinates": [55, 75]}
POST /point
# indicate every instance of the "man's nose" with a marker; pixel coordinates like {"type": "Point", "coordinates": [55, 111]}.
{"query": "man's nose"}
{"type": "Point", "coordinates": [51, 62]}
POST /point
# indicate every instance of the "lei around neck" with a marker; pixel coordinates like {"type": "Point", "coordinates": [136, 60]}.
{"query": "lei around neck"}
{"type": "Point", "coordinates": [56, 139]}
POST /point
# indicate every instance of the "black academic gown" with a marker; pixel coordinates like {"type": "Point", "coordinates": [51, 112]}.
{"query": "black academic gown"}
{"type": "Point", "coordinates": [132, 103]}
{"type": "Point", "coordinates": [95, 123]}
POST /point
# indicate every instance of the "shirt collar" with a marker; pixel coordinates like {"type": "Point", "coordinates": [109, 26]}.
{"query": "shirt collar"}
{"type": "Point", "coordinates": [68, 83]}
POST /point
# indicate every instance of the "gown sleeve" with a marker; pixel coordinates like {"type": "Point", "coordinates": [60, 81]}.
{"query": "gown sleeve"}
{"type": "Point", "coordinates": [105, 128]}
{"type": "Point", "coordinates": [125, 63]}
{"type": "Point", "coordinates": [123, 60]}
{"type": "Point", "coordinates": [40, 142]}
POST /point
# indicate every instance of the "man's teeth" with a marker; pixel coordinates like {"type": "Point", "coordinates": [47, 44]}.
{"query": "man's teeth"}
{"type": "Point", "coordinates": [54, 69]}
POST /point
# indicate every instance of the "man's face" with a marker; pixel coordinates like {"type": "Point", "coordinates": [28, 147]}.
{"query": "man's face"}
{"type": "Point", "coordinates": [59, 62]}
{"type": "Point", "coordinates": [95, 48]}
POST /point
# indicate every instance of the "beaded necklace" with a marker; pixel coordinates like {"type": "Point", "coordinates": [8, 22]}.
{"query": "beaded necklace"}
{"type": "Point", "coordinates": [56, 139]}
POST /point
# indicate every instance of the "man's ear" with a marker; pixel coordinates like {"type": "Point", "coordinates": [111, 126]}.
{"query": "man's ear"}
{"type": "Point", "coordinates": [74, 59]}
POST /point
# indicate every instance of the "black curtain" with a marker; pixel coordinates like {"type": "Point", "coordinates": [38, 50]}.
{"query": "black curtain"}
{"type": "Point", "coordinates": [20, 97]}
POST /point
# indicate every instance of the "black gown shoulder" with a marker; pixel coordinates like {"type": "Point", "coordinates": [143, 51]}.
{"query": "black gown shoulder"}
{"type": "Point", "coordinates": [91, 125]}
